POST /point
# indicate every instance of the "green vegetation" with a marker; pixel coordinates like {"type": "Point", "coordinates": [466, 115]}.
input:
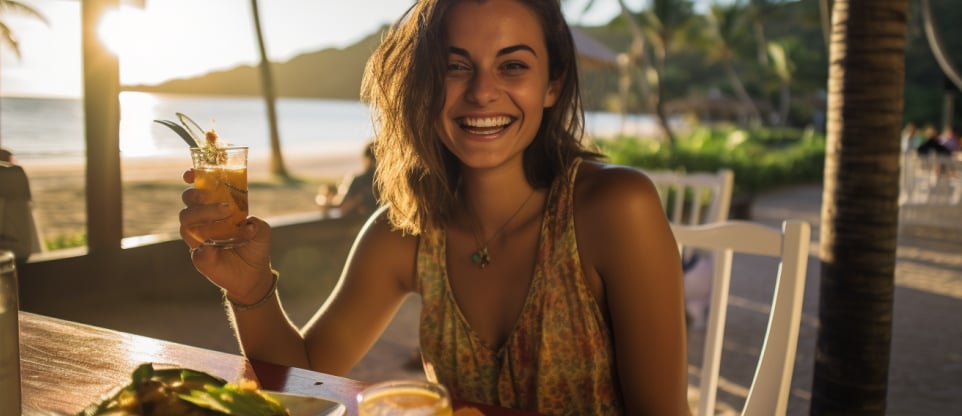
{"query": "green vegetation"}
{"type": "Point", "coordinates": [65, 241]}
{"type": "Point", "coordinates": [761, 159]}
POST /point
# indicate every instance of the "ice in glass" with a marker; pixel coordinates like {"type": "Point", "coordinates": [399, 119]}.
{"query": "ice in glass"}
{"type": "Point", "coordinates": [222, 173]}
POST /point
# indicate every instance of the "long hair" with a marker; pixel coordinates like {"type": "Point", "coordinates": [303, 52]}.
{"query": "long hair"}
{"type": "Point", "coordinates": [404, 85]}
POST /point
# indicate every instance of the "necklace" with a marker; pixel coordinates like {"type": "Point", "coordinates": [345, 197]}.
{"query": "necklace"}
{"type": "Point", "coordinates": [481, 256]}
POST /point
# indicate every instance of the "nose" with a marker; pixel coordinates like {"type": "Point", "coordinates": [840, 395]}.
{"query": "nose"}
{"type": "Point", "coordinates": [484, 88]}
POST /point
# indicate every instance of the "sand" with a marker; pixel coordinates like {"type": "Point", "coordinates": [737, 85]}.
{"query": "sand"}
{"type": "Point", "coordinates": [152, 188]}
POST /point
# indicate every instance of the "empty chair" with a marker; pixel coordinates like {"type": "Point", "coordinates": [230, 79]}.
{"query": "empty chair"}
{"type": "Point", "coordinates": [695, 197]}
{"type": "Point", "coordinates": [769, 391]}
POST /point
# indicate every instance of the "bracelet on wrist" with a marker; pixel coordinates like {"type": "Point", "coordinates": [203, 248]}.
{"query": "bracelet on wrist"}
{"type": "Point", "coordinates": [267, 296]}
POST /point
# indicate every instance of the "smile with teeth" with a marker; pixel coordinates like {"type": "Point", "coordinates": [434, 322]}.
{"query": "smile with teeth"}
{"type": "Point", "coordinates": [485, 125]}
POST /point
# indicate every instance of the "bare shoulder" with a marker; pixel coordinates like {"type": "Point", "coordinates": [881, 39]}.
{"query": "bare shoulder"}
{"type": "Point", "coordinates": [610, 189]}
{"type": "Point", "coordinates": [617, 208]}
{"type": "Point", "coordinates": [380, 247]}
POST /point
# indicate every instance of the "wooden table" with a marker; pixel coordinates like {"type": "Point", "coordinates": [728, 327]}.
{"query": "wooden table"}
{"type": "Point", "coordinates": [67, 365]}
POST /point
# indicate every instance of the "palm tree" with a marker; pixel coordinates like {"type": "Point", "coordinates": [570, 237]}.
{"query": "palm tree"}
{"type": "Point", "coordinates": [783, 68]}
{"type": "Point", "coordinates": [860, 206]}
{"type": "Point", "coordinates": [7, 38]}
{"type": "Point", "coordinates": [653, 30]}
{"type": "Point", "coordinates": [267, 84]}
{"type": "Point", "coordinates": [724, 24]}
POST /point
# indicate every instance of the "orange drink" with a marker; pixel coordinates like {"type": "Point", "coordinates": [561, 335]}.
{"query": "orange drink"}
{"type": "Point", "coordinates": [222, 173]}
{"type": "Point", "coordinates": [407, 398]}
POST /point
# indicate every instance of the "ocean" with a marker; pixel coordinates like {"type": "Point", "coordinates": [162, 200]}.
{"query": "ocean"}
{"type": "Point", "coordinates": [51, 130]}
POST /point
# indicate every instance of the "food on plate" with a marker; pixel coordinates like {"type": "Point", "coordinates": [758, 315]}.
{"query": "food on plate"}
{"type": "Point", "coordinates": [185, 392]}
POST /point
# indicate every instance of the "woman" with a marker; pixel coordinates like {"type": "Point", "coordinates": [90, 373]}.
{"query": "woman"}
{"type": "Point", "coordinates": [549, 280]}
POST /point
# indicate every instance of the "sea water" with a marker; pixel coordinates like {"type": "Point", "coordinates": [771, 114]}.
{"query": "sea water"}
{"type": "Point", "coordinates": [51, 130]}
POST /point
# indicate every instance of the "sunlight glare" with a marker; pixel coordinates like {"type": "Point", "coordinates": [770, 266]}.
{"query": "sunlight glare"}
{"type": "Point", "coordinates": [136, 121]}
{"type": "Point", "coordinates": [121, 30]}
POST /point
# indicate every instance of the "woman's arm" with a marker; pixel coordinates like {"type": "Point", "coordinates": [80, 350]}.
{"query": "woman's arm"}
{"type": "Point", "coordinates": [377, 278]}
{"type": "Point", "coordinates": [627, 243]}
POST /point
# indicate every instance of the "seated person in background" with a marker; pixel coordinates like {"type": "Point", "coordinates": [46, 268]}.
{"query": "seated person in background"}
{"type": "Point", "coordinates": [950, 138]}
{"type": "Point", "coordinates": [6, 155]}
{"type": "Point", "coordinates": [360, 198]}
{"type": "Point", "coordinates": [932, 144]}
{"type": "Point", "coordinates": [549, 279]}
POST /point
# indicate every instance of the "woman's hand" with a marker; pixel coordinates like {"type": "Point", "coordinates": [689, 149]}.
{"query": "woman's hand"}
{"type": "Point", "coordinates": [243, 270]}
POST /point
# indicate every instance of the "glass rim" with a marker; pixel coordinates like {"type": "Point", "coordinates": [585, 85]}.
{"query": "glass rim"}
{"type": "Point", "coordinates": [382, 386]}
{"type": "Point", "coordinates": [230, 147]}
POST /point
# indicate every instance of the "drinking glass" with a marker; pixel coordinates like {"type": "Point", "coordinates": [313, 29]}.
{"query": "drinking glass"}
{"type": "Point", "coordinates": [222, 173]}
{"type": "Point", "coordinates": [9, 336]}
{"type": "Point", "coordinates": [404, 397]}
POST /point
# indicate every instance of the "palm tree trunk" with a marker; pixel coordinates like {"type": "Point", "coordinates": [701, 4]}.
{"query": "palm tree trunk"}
{"type": "Point", "coordinates": [860, 207]}
{"type": "Point", "coordinates": [267, 84]}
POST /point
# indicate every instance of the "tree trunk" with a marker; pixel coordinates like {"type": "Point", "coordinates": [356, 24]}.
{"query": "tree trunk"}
{"type": "Point", "coordinates": [860, 208]}
{"type": "Point", "coordinates": [740, 91]}
{"type": "Point", "coordinates": [267, 84]}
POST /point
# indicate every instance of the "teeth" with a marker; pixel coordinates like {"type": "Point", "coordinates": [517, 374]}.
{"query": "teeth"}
{"type": "Point", "coordinates": [487, 122]}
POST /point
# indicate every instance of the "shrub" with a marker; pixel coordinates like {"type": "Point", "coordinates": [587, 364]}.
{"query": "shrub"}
{"type": "Point", "coordinates": [761, 159]}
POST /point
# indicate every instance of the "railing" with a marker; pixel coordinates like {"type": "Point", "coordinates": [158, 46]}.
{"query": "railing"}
{"type": "Point", "coordinates": [931, 191]}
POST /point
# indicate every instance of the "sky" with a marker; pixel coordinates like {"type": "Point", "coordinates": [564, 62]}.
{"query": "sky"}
{"type": "Point", "coordinates": [170, 39]}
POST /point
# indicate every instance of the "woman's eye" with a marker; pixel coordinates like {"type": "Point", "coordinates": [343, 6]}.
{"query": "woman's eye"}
{"type": "Point", "coordinates": [514, 66]}
{"type": "Point", "coordinates": [457, 67]}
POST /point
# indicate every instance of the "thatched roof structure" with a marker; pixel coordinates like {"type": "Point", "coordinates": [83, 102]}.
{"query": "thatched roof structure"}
{"type": "Point", "coordinates": [591, 52]}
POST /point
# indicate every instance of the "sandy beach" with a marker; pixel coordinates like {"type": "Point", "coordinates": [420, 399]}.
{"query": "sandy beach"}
{"type": "Point", "coordinates": [152, 188]}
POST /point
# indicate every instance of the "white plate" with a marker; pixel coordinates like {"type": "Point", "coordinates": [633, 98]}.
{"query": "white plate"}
{"type": "Point", "coordinates": [308, 405]}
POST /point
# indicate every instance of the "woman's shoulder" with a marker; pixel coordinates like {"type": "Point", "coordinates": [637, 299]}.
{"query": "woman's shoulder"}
{"type": "Point", "coordinates": [606, 194]}
{"type": "Point", "coordinates": [380, 243]}
{"type": "Point", "coordinates": [601, 182]}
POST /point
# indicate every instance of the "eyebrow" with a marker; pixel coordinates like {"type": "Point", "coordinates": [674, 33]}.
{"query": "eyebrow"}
{"type": "Point", "coordinates": [504, 51]}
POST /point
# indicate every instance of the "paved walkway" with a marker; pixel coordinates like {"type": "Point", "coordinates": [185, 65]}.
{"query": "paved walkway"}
{"type": "Point", "coordinates": [926, 360]}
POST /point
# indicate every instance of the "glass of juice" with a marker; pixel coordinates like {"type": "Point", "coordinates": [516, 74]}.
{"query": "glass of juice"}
{"type": "Point", "coordinates": [222, 173]}
{"type": "Point", "coordinates": [404, 397]}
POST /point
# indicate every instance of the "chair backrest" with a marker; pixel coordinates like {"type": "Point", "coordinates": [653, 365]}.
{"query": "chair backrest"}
{"type": "Point", "coordinates": [19, 231]}
{"type": "Point", "coordinates": [696, 197]}
{"type": "Point", "coordinates": [769, 391]}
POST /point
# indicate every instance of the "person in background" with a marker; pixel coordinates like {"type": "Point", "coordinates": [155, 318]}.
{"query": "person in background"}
{"type": "Point", "coordinates": [911, 137]}
{"type": "Point", "coordinates": [931, 144]}
{"type": "Point", "coordinates": [6, 155]}
{"type": "Point", "coordinates": [549, 279]}
{"type": "Point", "coordinates": [361, 196]}
{"type": "Point", "coordinates": [950, 138]}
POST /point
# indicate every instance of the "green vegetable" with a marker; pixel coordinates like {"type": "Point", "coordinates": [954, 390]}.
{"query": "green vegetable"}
{"type": "Point", "coordinates": [180, 391]}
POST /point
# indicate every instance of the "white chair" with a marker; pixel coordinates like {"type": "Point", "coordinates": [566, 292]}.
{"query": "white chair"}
{"type": "Point", "coordinates": [695, 197]}
{"type": "Point", "coordinates": [769, 391]}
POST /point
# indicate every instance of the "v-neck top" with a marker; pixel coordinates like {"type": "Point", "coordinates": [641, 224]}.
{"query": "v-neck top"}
{"type": "Point", "coordinates": [559, 357]}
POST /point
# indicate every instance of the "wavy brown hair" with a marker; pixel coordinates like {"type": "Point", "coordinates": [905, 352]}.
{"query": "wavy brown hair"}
{"type": "Point", "coordinates": [404, 84]}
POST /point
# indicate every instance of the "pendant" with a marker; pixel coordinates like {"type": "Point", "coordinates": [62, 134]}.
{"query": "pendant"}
{"type": "Point", "coordinates": [481, 258]}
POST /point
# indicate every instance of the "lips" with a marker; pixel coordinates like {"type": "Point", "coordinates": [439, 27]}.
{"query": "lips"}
{"type": "Point", "coordinates": [485, 125]}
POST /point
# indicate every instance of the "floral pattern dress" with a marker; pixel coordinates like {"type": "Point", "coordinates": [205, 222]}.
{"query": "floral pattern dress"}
{"type": "Point", "coordinates": [558, 360]}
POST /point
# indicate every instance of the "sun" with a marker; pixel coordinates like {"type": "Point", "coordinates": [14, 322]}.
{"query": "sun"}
{"type": "Point", "coordinates": [122, 30]}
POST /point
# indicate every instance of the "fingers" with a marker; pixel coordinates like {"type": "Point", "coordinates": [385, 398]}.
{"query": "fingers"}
{"type": "Point", "coordinates": [188, 176]}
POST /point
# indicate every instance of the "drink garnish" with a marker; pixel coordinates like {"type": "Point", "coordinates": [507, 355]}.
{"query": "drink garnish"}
{"type": "Point", "coordinates": [195, 136]}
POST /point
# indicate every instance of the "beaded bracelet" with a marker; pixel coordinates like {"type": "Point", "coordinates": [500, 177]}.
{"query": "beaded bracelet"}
{"type": "Point", "coordinates": [267, 296]}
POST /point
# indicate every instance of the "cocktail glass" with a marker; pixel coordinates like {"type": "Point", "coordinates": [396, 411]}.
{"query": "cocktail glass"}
{"type": "Point", "coordinates": [222, 173]}
{"type": "Point", "coordinates": [404, 397]}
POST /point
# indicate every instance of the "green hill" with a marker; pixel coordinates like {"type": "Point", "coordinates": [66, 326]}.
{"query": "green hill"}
{"type": "Point", "coordinates": [328, 73]}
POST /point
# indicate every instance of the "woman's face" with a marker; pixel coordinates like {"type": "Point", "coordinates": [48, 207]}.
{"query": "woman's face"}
{"type": "Point", "coordinates": [497, 85]}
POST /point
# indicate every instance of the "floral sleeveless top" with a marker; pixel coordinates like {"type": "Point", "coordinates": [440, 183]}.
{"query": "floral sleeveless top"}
{"type": "Point", "coordinates": [558, 360]}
